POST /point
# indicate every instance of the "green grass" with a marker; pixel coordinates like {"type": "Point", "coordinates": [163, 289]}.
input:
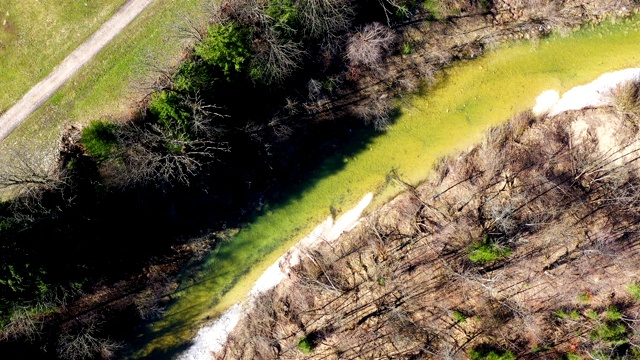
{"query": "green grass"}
{"type": "Point", "coordinates": [35, 36]}
{"type": "Point", "coordinates": [634, 290]}
{"type": "Point", "coordinates": [104, 88]}
{"type": "Point", "coordinates": [450, 117]}
{"type": "Point", "coordinates": [99, 139]}
{"type": "Point", "coordinates": [487, 251]}
{"type": "Point", "coordinates": [305, 345]}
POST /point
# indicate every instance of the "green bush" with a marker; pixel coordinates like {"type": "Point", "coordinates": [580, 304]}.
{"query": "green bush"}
{"type": "Point", "coordinates": [571, 356]}
{"type": "Point", "coordinates": [305, 345]}
{"type": "Point", "coordinates": [407, 48]}
{"type": "Point", "coordinates": [613, 314]}
{"type": "Point", "coordinates": [592, 314]}
{"type": "Point", "coordinates": [487, 251]}
{"type": "Point", "coordinates": [561, 314]}
{"type": "Point", "coordinates": [285, 16]}
{"type": "Point", "coordinates": [192, 77]}
{"type": "Point", "coordinates": [460, 316]}
{"type": "Point", "coordinates": [487, 352]}
{"type": "Point", "coordinates": [539, 348]}
{"type": "Point", "coordinates": [99, 140]}
{"type": "Point", "coordinates": [611, 333]}
{"type": "Point", "coordinates": [226, 47]}
{"type": "Point", "coordinates": [5, 225]}
{"type": "Point", "coordinates": [434, 8]}
{"type": "Point", "coordinates": [485, 5]}
{"type": "Point", "coordinates": [20, 281]}
{"type": "Point", "coordinates": [172, 116]}
{"type": "Point", "coordinates": [583, 297]}
{"type": "Point", "coordinates": [634, 290]}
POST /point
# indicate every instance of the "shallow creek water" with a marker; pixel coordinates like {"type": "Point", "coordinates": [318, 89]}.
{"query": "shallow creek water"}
{"type": "Point", "coordinates": [448, 117]}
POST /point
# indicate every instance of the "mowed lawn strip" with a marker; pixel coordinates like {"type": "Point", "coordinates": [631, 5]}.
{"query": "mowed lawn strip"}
{"type": "Point", "coordinates": [105, 87]}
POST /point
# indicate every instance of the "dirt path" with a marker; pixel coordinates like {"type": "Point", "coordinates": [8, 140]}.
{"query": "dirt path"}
{"type": "Point", "coordinates": [42, 91]}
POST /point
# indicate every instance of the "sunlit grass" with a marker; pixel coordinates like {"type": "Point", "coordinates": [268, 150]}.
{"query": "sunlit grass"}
{"type": "Point", "coordinates": [469, 98]}
{"type": "Point", "coordinates": [103, 89]}
{"type": "Point", "coordinates": [35, 36]}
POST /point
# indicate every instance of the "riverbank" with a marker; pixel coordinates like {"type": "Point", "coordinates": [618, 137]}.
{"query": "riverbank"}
{"type": "Point", "coordinates": [523, 246]}
{"type": "Point", "coordinates": [468, 99]}
{"type": "Point", "coordinates": [212, 338]}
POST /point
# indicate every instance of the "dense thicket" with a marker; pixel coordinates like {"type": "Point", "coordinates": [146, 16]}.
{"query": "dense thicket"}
{"type": "Point", "coordinates": [268, 89]}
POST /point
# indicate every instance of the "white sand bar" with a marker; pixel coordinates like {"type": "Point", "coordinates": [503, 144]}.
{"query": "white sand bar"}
{"type": "Point", "coordinates": [212, 338]}
{"type": "Point", "coordinates": [591, 95]}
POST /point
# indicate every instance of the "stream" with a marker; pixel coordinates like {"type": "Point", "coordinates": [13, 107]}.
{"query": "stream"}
{"type": "Point", "coordinates": [448, 117]}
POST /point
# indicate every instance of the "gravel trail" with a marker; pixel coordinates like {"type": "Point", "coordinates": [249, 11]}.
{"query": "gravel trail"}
{"type": "Point", "coordinates": [42, 91]}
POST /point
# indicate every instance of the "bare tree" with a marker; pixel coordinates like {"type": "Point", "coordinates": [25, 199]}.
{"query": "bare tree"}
{"type": "Point", "coordinates": [86, 344]}
{"type": "Point", "coordinates": [625, 99]}
{"type": "Point", "coordinates": [275, 58]}
{"type": "Point", "coordinates": [169, 153]}
{"type": "Point", "coordinates": [192, 28]}
{"type": "Point", "coordinates": [315, 88]}
{"type": "Point", "coordinates": [158, 76]}
{"type": "Point", "coordinates": [369, 45]}
{"type": "Point", "coordinates": [376, 111]}
{"type": "Point", "coordinates": [148, 302]}
{"type": "Point", "coordinates": [241, 11]}
{"type": "Point", "coordinates": [202, 115]}
{"type": "Point", "coordinates": [154, 154]}
{"type": "Point", "coordinates": [23, 323]}
{"type": "Point", "coordinates": [30, 176]}
{"type": "Point", "coordinates": [322, 17]}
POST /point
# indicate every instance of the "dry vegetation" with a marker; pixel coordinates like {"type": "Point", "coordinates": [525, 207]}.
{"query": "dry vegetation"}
{"type": "Point", "coordinates": [524, 246]}
{"type": "Point", "coordinates": [405, 286]}
{"type": "Point", "coordinates": [426, 47]}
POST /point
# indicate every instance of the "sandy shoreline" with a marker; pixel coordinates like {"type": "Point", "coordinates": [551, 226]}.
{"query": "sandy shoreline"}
{"type": "Point", "coordinates": [591, 95]}
{"type": "Point", "coordinates": [212, 338]}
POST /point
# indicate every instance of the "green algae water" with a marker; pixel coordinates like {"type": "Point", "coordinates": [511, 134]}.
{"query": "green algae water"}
{"type": "Point", "coordinates": [469, 98]}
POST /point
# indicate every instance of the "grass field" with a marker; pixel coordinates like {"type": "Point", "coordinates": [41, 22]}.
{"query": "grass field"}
{"type": "Point", "coordinates": [469, 98]}
{"type": "Point", "coordinates": [35, 36]}
{"type": "Point", "coordinates": [104, 87]}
